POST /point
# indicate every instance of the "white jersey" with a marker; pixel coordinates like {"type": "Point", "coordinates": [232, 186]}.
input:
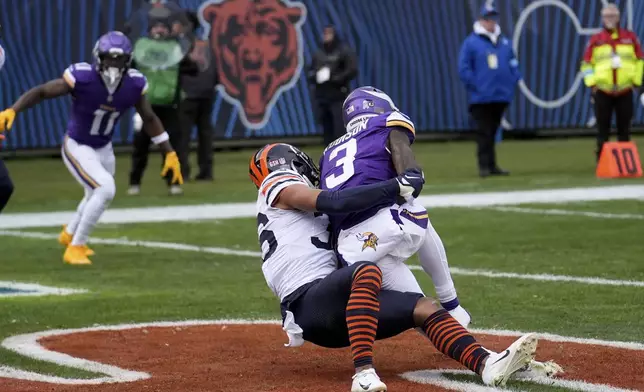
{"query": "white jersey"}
{"type": "Point", "coordinates": [295, 244]}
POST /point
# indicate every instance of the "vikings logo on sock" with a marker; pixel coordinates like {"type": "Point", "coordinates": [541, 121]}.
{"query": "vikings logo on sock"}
{"type": "Point", "coordinates": [370, 240]}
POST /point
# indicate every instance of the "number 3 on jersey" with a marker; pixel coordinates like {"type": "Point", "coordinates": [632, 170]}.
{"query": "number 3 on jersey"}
{"type": "Point", "coordinates": [344, 163]}
{"type": "Point", "coordinates": [99, 114]}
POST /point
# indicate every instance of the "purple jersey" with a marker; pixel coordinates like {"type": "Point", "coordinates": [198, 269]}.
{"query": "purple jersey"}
{"type": "Point", "coordinates": [361, 157]}
{"type": "Point", "coordinates": [95, 111]}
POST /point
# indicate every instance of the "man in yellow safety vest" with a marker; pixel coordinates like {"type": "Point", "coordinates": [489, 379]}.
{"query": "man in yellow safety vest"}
{"type": "Point", "coordinates": [613, 67]}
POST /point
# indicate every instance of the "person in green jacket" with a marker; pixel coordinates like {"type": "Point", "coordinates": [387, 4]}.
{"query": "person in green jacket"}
{"type": "Point", "coordinates": [162, 58]}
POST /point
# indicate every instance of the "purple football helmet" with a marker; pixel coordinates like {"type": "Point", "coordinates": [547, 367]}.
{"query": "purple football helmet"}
{"type": "Point", "coordinates": [113, 56]}
{"type": "Point", "coordinates": [366, 101]}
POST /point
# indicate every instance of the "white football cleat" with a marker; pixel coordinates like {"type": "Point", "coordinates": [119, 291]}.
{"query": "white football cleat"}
{"type": "Point", "coordinates": [461, 315]}
{"type": "Point", "coordinates": [367, 381]}
{"type": "Point", "coordinates": [536, 369]}
{"type": "Point", "coordinates": [499, 367]}
{"type": "Point", "coordinates": [176, 190]}
{"type": "Point", "coordinates": [134, 190]}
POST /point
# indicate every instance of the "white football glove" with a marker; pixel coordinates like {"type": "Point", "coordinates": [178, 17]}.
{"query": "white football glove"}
{"type": "Point", "coordinates": [137, 122]}
{"type": "Point", "coordinates": [642, 99]}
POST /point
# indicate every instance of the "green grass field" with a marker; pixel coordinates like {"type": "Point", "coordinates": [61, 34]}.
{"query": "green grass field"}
{"type": "Point", "coordinates": [136, 284]}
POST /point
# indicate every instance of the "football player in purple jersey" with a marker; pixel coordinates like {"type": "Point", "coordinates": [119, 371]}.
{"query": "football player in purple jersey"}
{"type": "Point", "coordinates": [101, 92]}
{"type": "Point", "coordinates": [377, 147]}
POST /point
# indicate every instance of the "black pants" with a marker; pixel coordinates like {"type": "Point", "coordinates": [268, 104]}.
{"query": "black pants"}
{"type": "Point", "coordinates": [605, 105]}
{"type": "Point", "coordinates": [320, 309]}
{"type": "Point", "coordinates": [198, 111]}
{"type": "Point", "coordinates": [169, 117]}
{"type": "Point", "coordinates": [488, 119]}
{"type": "Point", "coordinates": [330, 117]}
{"type": "Point", "coordinates": [6, 186]}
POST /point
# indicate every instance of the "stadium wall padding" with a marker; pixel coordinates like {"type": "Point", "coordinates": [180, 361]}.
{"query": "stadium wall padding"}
{"type": "Point", "coordinates": [408, 48]}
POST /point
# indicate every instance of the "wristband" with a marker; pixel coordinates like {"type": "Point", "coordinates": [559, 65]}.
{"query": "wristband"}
{"type": "Point", "coordinates": [164, 137]}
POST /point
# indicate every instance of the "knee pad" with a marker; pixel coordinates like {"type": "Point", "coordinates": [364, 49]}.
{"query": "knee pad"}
{"type": "Point", "coordinates": [107, 191]}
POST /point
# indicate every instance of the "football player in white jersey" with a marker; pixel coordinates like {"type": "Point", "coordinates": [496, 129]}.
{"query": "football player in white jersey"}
{"type": "Point", "coordinates": [377, 147]}
{"type": "Point", "coordinates": [346, 307]}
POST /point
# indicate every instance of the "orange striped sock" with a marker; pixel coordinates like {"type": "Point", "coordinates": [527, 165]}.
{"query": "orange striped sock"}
{"type": "Point", "coordinates": [450, 338]}
{"type": "Point", "coordinates": [362, 313]}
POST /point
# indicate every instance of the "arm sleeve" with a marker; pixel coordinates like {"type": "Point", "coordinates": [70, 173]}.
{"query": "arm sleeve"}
{"type": "Point", "coordinates": [276, 182]}
{"type": "Point", "coordinates": [358, 198]}
{"type": "Point", "coordinates": [465, 71]}
{"type": "Point", "coordinates": [587, 64]}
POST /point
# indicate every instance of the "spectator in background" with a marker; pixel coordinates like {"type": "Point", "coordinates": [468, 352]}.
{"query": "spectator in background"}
{"type": "Point", "coordinates": [196, 108]}
{"type": "Point", "coordinates": [138, 22]}
{"type": "Point", "coordinates": [613, 67]}
{"type": "Point", "coordinates": [489, 69]}
{"type": "Point", "coordinates": [162, 58]}
{"type": "Point", "coordinates": [330, 72]}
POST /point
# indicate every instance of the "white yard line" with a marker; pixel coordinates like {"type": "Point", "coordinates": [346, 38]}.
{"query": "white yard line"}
{"type": "Point", "coordinates": [247, 210]}
{"type": "Point", "coordinates": [437, 378]}
{"type": "Point", "coordinates": [589, 214]}
{"type": "Point", "coordinates": [249, 253]}
{"type": "Point", "coordinates": [28, 345]}
{"type": "Point", "coordinates": [539, 277]}
{"type": "Point", "coordinates": [35, 290]}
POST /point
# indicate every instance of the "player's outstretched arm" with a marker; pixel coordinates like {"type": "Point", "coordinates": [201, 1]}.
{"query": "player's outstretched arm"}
{"type": "Point", "coordinates": [154, 128]}
{"type": "Point", "coordinates": [51, 89]}
{"type": "Point", "coordinates": [401, 154]}
{"type": "Point", "coordinates": [302, 197]}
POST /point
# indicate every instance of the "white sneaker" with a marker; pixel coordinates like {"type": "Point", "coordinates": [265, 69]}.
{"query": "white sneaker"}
{"type": "Point", "coordinates": [499, 367]}
{"type": "Point", "coordinates": [134, 190]}
{"type": "Point", "coordinates": [176, 190]}
{"type": "Point", "coordinates": [367, 381]}
{"type": "Point", "coordinates": [536, 369]}
{"type": "Point", "coordinates": [461, 315]}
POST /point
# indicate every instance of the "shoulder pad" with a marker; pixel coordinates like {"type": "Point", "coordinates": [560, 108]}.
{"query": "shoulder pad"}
{"type": "Point", "coordinates": [77, 73]}
{"type": "Point", "coordinates": [398, 119]}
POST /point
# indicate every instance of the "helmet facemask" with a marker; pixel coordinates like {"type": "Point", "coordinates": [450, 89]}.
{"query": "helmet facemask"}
{"type": "Point", "coordinates": [112, 65]}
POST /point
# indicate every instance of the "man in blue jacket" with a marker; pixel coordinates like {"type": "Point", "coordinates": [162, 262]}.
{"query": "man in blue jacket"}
{"type": "Point", "coordinates": [489, 69]}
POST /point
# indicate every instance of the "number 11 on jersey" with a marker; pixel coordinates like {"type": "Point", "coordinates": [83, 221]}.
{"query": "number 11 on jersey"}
{"type": "Point", "coordinates": [99, 114]}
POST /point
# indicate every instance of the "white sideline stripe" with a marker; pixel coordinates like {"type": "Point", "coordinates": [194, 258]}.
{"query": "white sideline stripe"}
{"type": "Point", "coordinates": [590, 214]}
{"type": "Point", "coordinates": [28, 345]}
{"type": "Point", "coordinates": [249, 253]}
{"type": "Point", "coordinates": [539, 277]}
{"type": "Point", "coordinates": [247, 210]}
{"type": "Point", "coordinates": [36, 290]}
{"type": "Point", "coordinates": [436, 377]}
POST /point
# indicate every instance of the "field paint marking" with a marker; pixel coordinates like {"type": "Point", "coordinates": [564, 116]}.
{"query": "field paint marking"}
{"type": "Point", "coordinates": [136, 243]}
{"type": "Point", "coordinates": [590, 214]}
{"type": "Point", "coordinates": [539, 277]}
{"type": "Point", "coordinates": [436, 377]}
{"type": "Point", "coordinates": [35, 290]}
{"type": "Point", "coordinates": [247, 210]}
{"type": "Point", "coordinates": [249, 253]}
{"type": "Point", "coordinates": [28, 345]}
